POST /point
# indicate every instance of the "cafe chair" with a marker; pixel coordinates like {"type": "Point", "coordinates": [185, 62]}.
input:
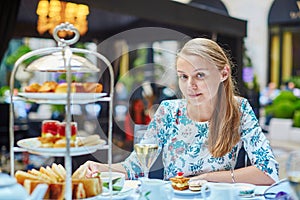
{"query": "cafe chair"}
{"type": "Point", "coordinates": [242, 159]}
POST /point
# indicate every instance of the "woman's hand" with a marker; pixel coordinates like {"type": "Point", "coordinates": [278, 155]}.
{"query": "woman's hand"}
{"type": "Point", "coordinates": [92, 168]}
{"type": "Point", "coordinates": [250, 174]}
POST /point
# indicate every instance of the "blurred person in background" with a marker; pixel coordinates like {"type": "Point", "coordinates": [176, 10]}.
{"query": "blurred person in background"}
{"type": "Point", "coordinates": [269, 94]}
{"type": "Point", "coordinates": [136, 115]}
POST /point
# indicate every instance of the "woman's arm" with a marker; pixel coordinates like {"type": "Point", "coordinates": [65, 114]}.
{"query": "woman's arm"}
{"type": "Point", "coordinates": [264, 169]}
{"type": "Point", "coordinates": [257, 146]}
{"type": "Point", "coordinates": [243, 175]}
{"type": "Point", "coordinates": [130, 167]}
{"type": "Point", "coordinates": [92, 168]}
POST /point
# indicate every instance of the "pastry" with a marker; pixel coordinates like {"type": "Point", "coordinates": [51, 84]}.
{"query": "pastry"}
{"type": "Point", "coordinates": [48, 86]}
{"type": "Point", "coordinates": [61, 130]}
{"type": "Point", "coordinates": [61, 143]}
{"type": "Point", "coordinates": [34, 87]}
{"type": "Point", "coordinates": [76, 87]}
{"type": "Point", "coordinates": [49, 128]}
{"type": "Point", "coordinates": [63, 87]}
{"type": "Point", "coordinates": [53, 134]}
{"type": "Point", "coordinates": [92, 87]}
{"type": "Point", "coordinates": [180, 182]}
{"type": "Point", "coordinates": [196, 185]}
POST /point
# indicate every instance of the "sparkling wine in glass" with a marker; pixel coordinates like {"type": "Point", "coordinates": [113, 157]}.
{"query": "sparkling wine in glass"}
{"type": "Point", "coordinates": [293, 171]}
{"type": "Point", "coordinates": [147, 152]}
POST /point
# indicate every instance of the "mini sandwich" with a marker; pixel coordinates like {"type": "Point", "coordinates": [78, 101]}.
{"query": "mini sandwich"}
{"type": "Point", "coordinates": [54, 177]}
{"type": "Point", "coordinates": [60, 171]}
{"type": "Point", "coordinates": [92, 186]}
{"type": "Point", "coordinates": [80, 172]}
{"type": "Point", "coordinates": [45, 177]}
{"type": "Point", "coordinates": [21, 176]}
{"type": "Point", "coordinates": [180, 182]}
{"type": "Point", "coordinates": [195, 186]}
{"type": "Point", "coordinates": [89, 140]}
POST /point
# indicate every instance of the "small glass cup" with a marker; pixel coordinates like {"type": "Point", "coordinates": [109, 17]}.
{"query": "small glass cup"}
{"type": "Point", "coordinates": [293, 171]}
{"type": "Point", "coordinates": [49, 127]}
{"type": "Point", "coordinates": [62, 130]}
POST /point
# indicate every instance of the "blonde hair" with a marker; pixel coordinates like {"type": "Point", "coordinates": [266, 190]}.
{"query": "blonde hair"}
{"type": "Point", "coordinates": [225, 119]}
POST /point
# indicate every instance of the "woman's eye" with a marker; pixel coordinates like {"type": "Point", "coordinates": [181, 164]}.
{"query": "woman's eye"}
{"type": "Point", "coordinates": [200, 75]}
{"type": "Point", "coordinates": [182, 76]}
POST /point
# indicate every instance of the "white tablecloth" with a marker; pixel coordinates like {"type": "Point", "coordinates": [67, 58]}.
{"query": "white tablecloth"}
{"type": "Point", "coordinates": [259, 190]}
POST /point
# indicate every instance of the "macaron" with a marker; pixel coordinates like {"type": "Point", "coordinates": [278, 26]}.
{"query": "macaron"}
{"type": "Point", "coordinates": [196, 185]}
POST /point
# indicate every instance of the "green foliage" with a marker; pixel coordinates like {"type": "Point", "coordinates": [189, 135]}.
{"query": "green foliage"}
{"type": "Point", "coordinates": [297, 105]}
{"type": "Point", "coordinates": [141, 57]}
{"type": "Point", "coordinates": [3, 89]}
{"type": "Point", "coordinates": [63, 77]}
{"type": "Point", "coordinates": [11, 59]}
{"type": "Point", "coordinates": [295, 80]}
{"type": "Point", "coordinates": [284, 109]}
{"type": "Point", "coordinates": [80, 45]}
{"type": "Point", "coordinates": [285, 105]}
{"type": "Point", "coordinates": [58, 108]}
{"type": "Point", "coordinates": [285, 96]}
{"type": "Point", "coordinates": [296, 119]}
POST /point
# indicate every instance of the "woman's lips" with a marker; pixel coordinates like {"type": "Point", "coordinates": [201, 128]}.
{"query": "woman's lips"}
{"type": "Point", "coordinates": [194, 95]}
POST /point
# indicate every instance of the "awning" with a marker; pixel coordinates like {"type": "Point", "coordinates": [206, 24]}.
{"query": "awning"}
{"type": "Point", "coordinates": [284, 12]}
{"type": "Point", "coordinates": [110, 17]}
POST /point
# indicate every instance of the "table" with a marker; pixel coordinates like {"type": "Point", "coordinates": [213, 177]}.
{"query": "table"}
{"type": "Point", "coordinates": [259, 190]}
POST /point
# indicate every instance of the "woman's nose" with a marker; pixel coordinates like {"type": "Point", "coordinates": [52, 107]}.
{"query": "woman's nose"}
{"type": "Point", "coordinates": [192, 83]}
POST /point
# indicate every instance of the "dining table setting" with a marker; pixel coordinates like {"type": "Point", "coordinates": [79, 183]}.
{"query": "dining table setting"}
{"type": "Point", "coordinates": [133, 190]}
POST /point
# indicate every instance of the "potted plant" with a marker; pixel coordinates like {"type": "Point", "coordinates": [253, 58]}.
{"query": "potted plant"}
{"type": "Point", "coordinates": [285, 113]}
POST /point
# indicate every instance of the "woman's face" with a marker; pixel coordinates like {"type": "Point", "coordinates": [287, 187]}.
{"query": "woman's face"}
{"type": "Point", "coordinates": [198, 79]}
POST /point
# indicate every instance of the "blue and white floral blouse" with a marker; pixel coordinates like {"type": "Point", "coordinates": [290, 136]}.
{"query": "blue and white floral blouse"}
{"type": "Point", "coordinates": [184, 143]}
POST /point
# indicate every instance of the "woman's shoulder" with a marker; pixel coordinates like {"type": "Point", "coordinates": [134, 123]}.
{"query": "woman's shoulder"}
{"type": "Point", "coordinates": [245, 107]}
{"type": "Point", "coordinates": [242, 102]}
{"type": "Point", "coordinates": [240, 99]}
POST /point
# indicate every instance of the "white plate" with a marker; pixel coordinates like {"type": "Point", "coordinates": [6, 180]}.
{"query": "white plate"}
{"type": "Point", "coordinates": [186, 192]}
{"type": "Point", "coordinates": [60, 98]}
{"type": "Point", "coordinates": [124, 193]}
{"type": "Point", "coordinates": [245, 189]}
{"type": "Point", "coordinates": [33, 145]}
{"type": "Point", "coordinates": [132, 183]}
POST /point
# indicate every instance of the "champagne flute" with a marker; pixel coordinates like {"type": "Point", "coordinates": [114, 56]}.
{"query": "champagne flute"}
{"type": "Point", "coordinates": [147, 152]}
{"type": "Point", "coordinates": [293, 171]}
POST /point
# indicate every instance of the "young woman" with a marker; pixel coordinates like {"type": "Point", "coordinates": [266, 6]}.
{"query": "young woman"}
{"type": "Point", "coordinates": [202, 134]}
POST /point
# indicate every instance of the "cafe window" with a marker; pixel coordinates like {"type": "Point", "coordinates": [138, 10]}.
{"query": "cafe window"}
{"type": "Point", "coordinates": [284, 51]}
{"type": "Point", "coordinates": [284, 41]}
